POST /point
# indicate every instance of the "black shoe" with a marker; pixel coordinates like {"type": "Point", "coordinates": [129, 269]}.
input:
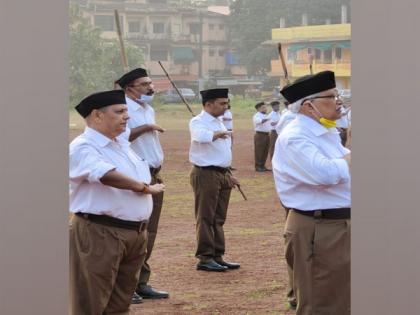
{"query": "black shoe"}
{"type": "Point", "coordinates": [147, 292]}
{"type": "Point", "coordinates": [136, 299]}
{"type": "Point", "coordinates": [229, 265]}
{"type": "Point", "coordinates": [260, 169]}
{"type": "Point", "coordinates": [266, 169]}
{"type": "Point", "coordinates": [210, 266]}
{"type": "Point", "coordinates": [293, 303]}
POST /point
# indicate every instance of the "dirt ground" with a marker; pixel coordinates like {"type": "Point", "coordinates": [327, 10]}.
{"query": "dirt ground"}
{"type": "Point", "coordinates": [253, 233]}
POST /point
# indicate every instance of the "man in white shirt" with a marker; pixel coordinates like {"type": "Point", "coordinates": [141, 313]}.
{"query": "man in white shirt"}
{"type": "Point", "coordinates": [274, 117]}
{"type": "Point", "coordinates": [285, 118]}
{"type": "Point", "coordinates": [312, 177]}
{"type": "Point", "coordinates": [143, 133]}
{"type": "Point", "coordinates": [110, 198]}
{"type": "Point", "coordinates": [211, 179]}
{"type": "Point", "coordinates": [261, 138]}
{"type": "Point", "coordinates": [227, 119]}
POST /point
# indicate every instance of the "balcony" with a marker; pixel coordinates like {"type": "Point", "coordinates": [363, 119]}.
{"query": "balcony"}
{"type": "Point", "coordinates": [341, 68]}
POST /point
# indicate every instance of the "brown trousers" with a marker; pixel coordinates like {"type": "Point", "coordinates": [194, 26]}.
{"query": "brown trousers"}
{"type": "Point", "coordinates": [318, 251]}
{"type": "Point", "coordinates": [211, 194]}
{"type": "Point", "coordinates": [104, 267]}
{"type": "Point", "coordinates": [261, 148]}
{"type": "Point", "coordinates": [273, 138]}
{"type": "Point", "coordinates": [152, 228]}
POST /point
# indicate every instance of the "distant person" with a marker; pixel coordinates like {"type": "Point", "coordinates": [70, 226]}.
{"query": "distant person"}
{"type": "Point", "coordinates": [211, 180]}
{"type": "Point", "coordinates": [274, 117]}
{"type": "Point", "coordinates": [227, 120]}
{"type": "Point", "coordinates": [312, 177]}
{"type": "Point", "coordinates": [343, 126]}
{"type": "Point", "coordinates": [110, 197]}
{"type": "Point", "coordinates": [143, 133]}
{"type": "Point", "coordinates": [285, 118]}
{"type": "Point", "coordinates": [262, 137]}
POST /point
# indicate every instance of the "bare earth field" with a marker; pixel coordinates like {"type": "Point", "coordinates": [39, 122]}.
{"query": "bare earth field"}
{"type": "Point", "coordinates": [253, 237]}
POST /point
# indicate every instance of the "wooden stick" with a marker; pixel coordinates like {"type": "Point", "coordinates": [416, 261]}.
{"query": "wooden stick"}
{"type": "Point", "coordinates": [311, 59]}
{"type": "Point", "coordinates": [283, 64]}
{"type": "Point", "coordinates": [242, 193]}
{"type": "Point", "coordinates": [120, 39]}
{"type": "Point", "coordinates": [176, 89]}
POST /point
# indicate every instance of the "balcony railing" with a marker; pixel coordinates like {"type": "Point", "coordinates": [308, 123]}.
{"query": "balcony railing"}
{"type": "Point", "coordinates": [341, 68]}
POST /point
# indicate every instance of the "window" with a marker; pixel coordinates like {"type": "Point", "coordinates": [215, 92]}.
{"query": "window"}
{"type": "Point", "coordinates": [158, 28]}
{"type": "Point", "coordinates": [158, 54]}
{"type": "Point", "coordinates": [211, 52]}
{"type": "Point", "coordinates": [309, 51]}
{"type": "Point", "coordinates": [317, 54]}
{"type": "Point", "coordinates": [195, 28]}
{"type": "Point", "coordinates": [211, 27]}
{"type": "Point", "coordinates": [221, 53]}
{"type": "Point", "coordinates": [134, 27]}
{"type": "Point", "coordinates": [328, 56]}
{"type": "Point", "coordinates": [105, 22]}
{"type": "Point", "coordinates": [291, 55]}
{"type": "Point", "coordinates": [338, 53]}
{"type": "Point", "coordinates": [158, 1]}
{"type": "Point", "coordinates": [221, 27]}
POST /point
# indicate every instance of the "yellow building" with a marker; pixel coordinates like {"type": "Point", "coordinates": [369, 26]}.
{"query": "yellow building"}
{"type": "Point", "coordinates": [327, 45]}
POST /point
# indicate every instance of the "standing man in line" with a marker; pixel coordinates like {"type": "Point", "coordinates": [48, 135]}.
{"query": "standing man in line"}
{"type": "Point", "coordinates": [274, 117]}
{"type": "Point", "coordinates": [211, 179]}
{"type": "Point", "coordinates": [312, 176]}
{"type": "Point", "coordinates": [262, 137]}
{"type": "Point", "coordinates": [143, 133]}
{"type": "Point", "coordinates": [111, 200]}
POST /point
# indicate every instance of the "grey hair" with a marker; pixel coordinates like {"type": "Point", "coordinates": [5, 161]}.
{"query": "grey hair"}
{"type": "Point", "coordinates": [295, 106]}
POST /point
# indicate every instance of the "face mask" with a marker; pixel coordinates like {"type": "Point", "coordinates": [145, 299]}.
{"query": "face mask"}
{"type": "Point", "coordinates": [327, 123]}
{"type": "Point", "coordinates": [146, 98]}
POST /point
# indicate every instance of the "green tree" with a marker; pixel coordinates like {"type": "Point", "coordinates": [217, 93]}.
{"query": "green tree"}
{"type": "Point", "coordinates": [251, 22]}
{"type": "Point", "coordinates": [94, 62]}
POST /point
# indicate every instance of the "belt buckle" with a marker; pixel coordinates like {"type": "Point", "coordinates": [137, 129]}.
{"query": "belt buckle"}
{"type": "Point", "coordinates": [317, 214]}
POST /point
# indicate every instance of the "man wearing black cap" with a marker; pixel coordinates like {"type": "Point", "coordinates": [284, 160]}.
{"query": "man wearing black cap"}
{"type": "Point", "coordinates": [143, 134]}
{"type": "Point", "coordinates": [312, 176]}
{"type": "Point", "coordinates": [211, 179]}
{"type": "Point", "coordinates": [262, 136]}
{"type": "Point", "coordinates": [111, 200]}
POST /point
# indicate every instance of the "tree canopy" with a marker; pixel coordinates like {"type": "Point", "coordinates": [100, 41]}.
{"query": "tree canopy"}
{"type": "Point", "coordinates": [251, 22]}
{"type": "Point", "coordinates": [95, 63]}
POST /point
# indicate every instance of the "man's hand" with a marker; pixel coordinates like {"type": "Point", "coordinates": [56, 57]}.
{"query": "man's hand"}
{"type": "Point", "coordinates": [273, 123]}
{"type": "Point", "coordinates": [155, 189]}
{"type": "Point", "coordinates": [222, 135]}
{"type": "Point", "coordinates": [265, 120]}
{"type": "Point", "coordinates": [233, 181]}
{"type": "Point", "coordinates": [153, 127]}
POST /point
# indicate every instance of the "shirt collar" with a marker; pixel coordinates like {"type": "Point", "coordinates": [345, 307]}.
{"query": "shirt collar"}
{"type": "Point", "coordinates": [102, 140]}
{"type": "Point", "coordinates": [134, 105]}
{"type": "Point", "coordinates": [207, 117]}
{"type": "Point", "coordinates": [315, 127]}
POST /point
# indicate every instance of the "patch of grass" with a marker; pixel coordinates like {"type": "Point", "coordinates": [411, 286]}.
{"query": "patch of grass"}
{"type": "Point", "coordinates": [246, 232]}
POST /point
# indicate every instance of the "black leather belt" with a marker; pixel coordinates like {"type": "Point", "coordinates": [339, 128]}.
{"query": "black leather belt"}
{"type": "Point", "coordinates": [223, 170]}
{"type": "Point", "coordinates": [110, 221]}
{"type": "Point", "coordinates": [263, 132]}
{"type": "Point", "coordinates": [334, 214]}
{"type": "Point", "coordinates": [154, 171]}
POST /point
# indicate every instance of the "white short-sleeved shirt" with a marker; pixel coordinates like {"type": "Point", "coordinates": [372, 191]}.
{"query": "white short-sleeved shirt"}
{"type": "Point", "coordinates": [285, 118]}
{"type": "Point", "coordinates": [92, 155]}
{"type": "Point", "coordinates": [274, 118]}
{"type": "Point", "coordinates": [228, 123]}
{"type": "Point", "coordinates": [147, 145]}
{"type": "Point", "coordinates": [259, 125]}
{"type": "Point", "coordinates": [203, 150]}
{"type": "Point", "coordinates": [308, 166]}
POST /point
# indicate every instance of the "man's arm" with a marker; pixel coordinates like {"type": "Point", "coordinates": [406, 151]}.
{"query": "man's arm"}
{"type": "Point", "coordinates": [118, 180]}
{"type": "Point", "coordinates": [138, 131]}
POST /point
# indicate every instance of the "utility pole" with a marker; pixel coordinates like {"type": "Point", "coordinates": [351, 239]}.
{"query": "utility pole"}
{"type": "Point", "coordinates": [200, 45]}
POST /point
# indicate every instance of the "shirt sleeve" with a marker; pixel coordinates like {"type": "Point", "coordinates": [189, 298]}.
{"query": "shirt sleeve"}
{"type": "Point", "coordinates": [86, 163]}
{"type": "Point", "coordinates": [257, 120]}
{"type": "Point", "coordinates": [200, 133]}
{"type": "Point", "coordinates": [312, 166]}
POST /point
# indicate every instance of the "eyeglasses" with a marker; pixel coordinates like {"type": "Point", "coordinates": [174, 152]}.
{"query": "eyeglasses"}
{"type": "Point", "coordinates": [335, 97]}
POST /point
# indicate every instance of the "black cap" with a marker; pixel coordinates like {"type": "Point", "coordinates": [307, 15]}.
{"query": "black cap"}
{"type": "Point", "coordinates": [131, 76]}
{"type": "Point", "coordinates": [99, 100]}
{"type": "Point", "coordinates": [212, 94]}
{"type": "Point", "coordinates": [308, 85]}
